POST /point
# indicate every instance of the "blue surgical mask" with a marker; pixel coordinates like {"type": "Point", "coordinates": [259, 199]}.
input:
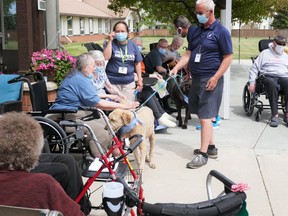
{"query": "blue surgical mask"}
{"type": "Point", "coordinates": [99, 70]}
{"type": "Point", "coordinates": [90, 76]}
{"type": "Point", "coordinates": [140, 49]}
{"type": "Point", "coordinates": [202, 18]}
{"type": "Point", "coordinates": [122, 36]}
{"type": "Point", "coordinates": [162, 51]}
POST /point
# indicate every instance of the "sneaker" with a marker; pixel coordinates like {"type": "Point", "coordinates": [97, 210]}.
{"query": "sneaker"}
{"type": "Point", "coordinates": [166, 122]}
{"type": "Point", "coordinates": [197, 162]}
{"type": "Point", "coordinates": [167, 116]}
{"type": "Point", "coordinates": [212, 153]}
{"type": "Point", "coordinates": [218, 119]}
{"type": "Point", "coordinates": [214, 124]}
{"type": "Point", "coordinates": [274, 121]}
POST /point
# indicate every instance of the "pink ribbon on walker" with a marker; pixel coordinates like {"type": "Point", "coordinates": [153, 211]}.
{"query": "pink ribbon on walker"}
{"type": "Point", "coordinates": [239, 187]}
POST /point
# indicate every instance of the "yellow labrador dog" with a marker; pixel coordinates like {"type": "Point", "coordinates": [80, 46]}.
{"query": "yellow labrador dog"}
{"type": "Point", "coordinates": [141, 122]}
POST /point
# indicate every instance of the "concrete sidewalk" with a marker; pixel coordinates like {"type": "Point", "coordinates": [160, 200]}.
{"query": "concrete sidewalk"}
{"type": "Point", "coordinates": [250, 152]}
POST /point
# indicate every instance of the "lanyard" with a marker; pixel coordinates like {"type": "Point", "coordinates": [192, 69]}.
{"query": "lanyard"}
{"type": "Point", "coordinates": [202, 38]}
{"type": "Point", "coordinates": [123, 57]}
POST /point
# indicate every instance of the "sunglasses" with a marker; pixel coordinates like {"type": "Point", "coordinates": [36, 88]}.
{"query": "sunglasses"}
{"type": "Point", "coordinates": [200, 13]}
{"type": "Point", "coordinates": [280, 44]}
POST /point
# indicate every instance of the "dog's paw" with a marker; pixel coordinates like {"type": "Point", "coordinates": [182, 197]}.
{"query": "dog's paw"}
{"type": "Point", "coordinates": [147, 159]}
{"type": "Point", "coordinates": [152, 165]}
{"type": "Point", "coordinates": [184, 126]}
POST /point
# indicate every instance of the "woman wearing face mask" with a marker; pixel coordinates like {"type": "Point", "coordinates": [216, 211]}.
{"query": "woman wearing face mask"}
{"type": "Point", "coordinates": [123, 61]}
{"type": "Point", "coordinates": [77, 90]}
{"type": "Point", "coordinates": [101, 81]}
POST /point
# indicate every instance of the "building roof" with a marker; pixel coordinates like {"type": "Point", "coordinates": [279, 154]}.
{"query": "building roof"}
{"type": "Point", "coordinates": [102, 5]}
{"type": "Point", "coordinates": [91, 8]}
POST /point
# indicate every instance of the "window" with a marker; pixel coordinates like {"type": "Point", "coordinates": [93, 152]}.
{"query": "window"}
{"type": "Point", "coordinates": [107, 30]}
{"type": "Point", "coordinates": [82, 25]}
{"type": "Point", "coordinates": [8, 27]}
{"type": "Point", "coordinates": [100, 26]}
{"type": "Point", "coordinates": [91, 27]}
{"type": "Point", "coordinates": [70, 25]}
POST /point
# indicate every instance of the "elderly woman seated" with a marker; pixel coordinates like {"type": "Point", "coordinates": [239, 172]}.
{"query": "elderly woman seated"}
{"type": "Point", "coordinates": [20, 146]}
{"type": "Point", "coordinates": [77, 90]}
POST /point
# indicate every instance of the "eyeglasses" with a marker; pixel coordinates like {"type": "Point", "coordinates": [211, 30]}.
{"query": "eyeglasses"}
{"type": "Point", "coordinates": [280, 43]}
{"type": "Point", "coordinates": [164, 47]}
{"type": "Point", "coordinates": [200, 13]}
{"type": "Point", "coordinates": [99, 63]}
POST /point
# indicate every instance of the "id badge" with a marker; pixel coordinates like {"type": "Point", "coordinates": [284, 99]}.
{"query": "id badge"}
{"type": "Point", "coordinates": [122, 70]}
{"type": "Point", "coordinates": [197, 57]}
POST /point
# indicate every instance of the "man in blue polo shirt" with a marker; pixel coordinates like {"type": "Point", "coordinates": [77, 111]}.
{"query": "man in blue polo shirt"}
{"type": "Point", "coordinates": [209, 55]}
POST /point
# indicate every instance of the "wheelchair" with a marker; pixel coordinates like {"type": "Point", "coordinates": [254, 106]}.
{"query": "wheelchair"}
{"type": "Point", "coordinates": [58, 138]}
{"type": "Point", "coordinates": [251, 101]}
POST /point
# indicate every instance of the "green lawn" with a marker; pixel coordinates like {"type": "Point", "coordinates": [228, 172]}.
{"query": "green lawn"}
{"type": "Point", "coordinates": [248, 46]}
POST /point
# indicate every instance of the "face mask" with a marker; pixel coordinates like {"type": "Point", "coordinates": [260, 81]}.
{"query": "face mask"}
{"type": "Point", "coordinates": [140, 49]}
{"type": "Point", "coordinates": [90, 76]}
{"type": "Point", "coordinates": [99, 70]}
{"type": "Point", "coordinates": [279, 49]}
{"type": "Point", "coordinates": [162, 51]}
{"type": "Point", "coordinates": [122, 36]}
{"type": "Point", "coordinates": [202, 18]}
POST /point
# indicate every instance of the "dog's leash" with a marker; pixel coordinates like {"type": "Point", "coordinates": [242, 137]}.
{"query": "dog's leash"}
{"type": "Point", "coordinates": [185, 98]}
{"type": "Point", "coordinates": [160, 87]}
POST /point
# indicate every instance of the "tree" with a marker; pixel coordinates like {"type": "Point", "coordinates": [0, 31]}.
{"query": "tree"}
{"type": "Point", "coordinates": [166, 11]}
{"type": "Point", "coordinates": [281, 19]}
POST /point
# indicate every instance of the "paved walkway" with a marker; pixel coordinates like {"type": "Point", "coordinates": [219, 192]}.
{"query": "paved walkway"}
{"type": "Point", "coordinates": [249, 152]}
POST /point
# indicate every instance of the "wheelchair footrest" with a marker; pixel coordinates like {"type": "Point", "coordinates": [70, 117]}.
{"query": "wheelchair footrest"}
{"type": "Point", "coordinates": [120, 172]}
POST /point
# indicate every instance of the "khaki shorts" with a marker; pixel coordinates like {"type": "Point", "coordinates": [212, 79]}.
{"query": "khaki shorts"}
{"type": "Point", "coordinates": [205, 104]}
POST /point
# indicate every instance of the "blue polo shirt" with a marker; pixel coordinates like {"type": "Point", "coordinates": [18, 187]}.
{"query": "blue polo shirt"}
{"type": "Point", "coordinates": [132, 56]}
{"type": "Point", "coordinates": [212, 43]}
{"type": "Point", "coordinates": [76, 90]}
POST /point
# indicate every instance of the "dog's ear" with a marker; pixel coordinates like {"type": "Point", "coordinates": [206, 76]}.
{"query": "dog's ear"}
{"type": "Point", "coordinates": [126, 117]}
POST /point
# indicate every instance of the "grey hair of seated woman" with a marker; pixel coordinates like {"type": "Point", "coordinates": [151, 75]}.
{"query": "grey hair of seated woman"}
{"type": "Point", "coordinates": [83, 60]}
{"type": "Point", "coordinates": [97, 54]}
{"type": "Point", "coordinates": [21, 141]}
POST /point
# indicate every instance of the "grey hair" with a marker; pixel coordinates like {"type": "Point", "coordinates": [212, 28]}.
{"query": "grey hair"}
{"type": "Point", "coordinates": [137, 39]}
{"type": "Point", "coordinates": [21, 141]}
{"type": "Point", "coordinates": [177, 38]}
{"type": "Point", "coordinates": [209, 4]}
{"type": "Point", "coordinates": [97, 55]}
{"type": "Point", "coordinates": [181, 21]}
{"type": "Point", "coordinates": [83, 60]}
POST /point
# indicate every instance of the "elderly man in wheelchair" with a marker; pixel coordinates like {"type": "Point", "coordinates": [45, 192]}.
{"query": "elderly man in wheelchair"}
{"type": "Point", "coordinates": [271, 67]}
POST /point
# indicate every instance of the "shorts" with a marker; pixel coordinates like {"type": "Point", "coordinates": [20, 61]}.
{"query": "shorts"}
{"type": "Point", "coordinates": [205, 104]}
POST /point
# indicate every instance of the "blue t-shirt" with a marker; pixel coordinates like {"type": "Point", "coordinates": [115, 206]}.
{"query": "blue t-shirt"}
{"type": "Point", "coordinates": [76, 90]}
{"type": "Point", "coordinates": [212, 43]}
{"type": "Point", "coordinates": [118, 51]}
{"type": "Point", "coordinates": [152, 60]}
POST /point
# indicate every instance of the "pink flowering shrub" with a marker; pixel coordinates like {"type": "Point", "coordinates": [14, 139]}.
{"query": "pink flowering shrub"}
{"type": "Point", "coordinates": [52, 63]}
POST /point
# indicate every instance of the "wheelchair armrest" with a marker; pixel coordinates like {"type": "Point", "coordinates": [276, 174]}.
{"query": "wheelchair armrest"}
{"type": "Point", "coordinates": [94, 115]}
{"type": "Point", "coordinates": [53, 111]}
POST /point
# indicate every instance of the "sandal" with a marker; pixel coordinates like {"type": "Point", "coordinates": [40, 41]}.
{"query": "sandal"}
{"type": "Point", "coordinates": [274, 121]}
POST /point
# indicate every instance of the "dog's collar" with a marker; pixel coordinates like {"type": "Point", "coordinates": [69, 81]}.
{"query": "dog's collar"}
{"type": "Point", "coordinates": [127, 128]}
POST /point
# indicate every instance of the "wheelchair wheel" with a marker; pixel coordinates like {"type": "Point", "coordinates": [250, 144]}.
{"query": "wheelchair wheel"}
{"type": "Point", "coordinates": [84, 163]}
{"type": "Point", "coordinates": [248, 101]}
{"type": "Point", "coordinates": [54, 135]}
